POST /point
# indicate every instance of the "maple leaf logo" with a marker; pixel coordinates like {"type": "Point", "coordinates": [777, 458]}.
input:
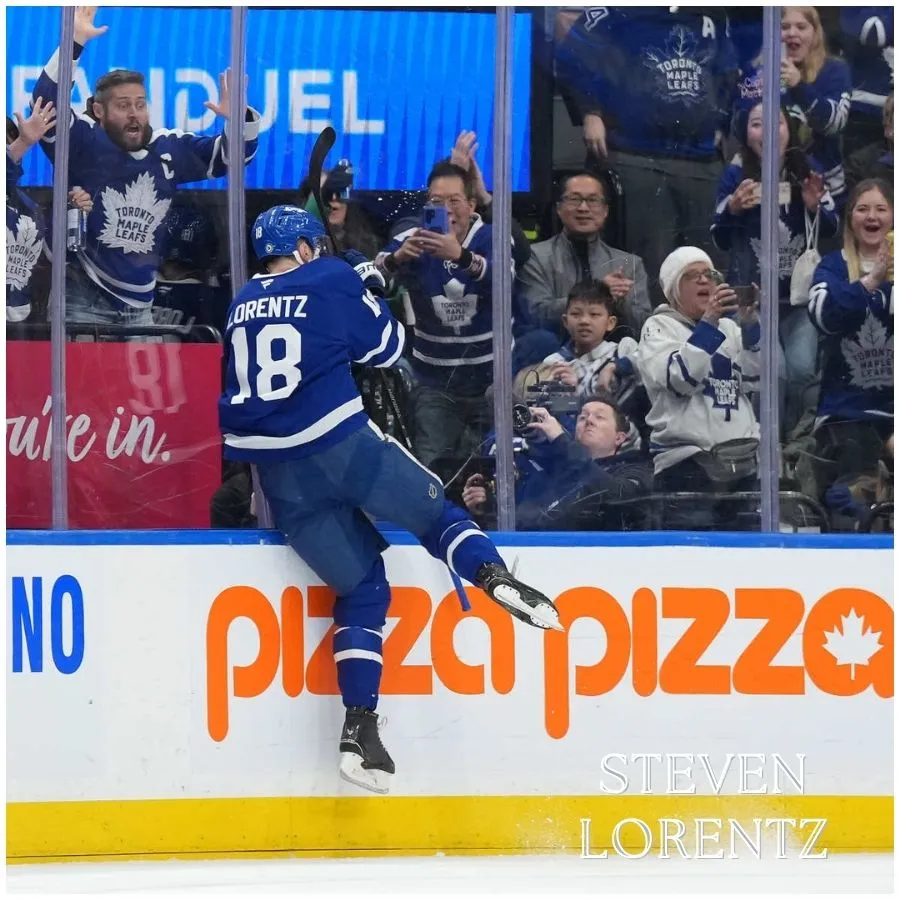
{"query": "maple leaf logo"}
{"type": "Point", "coordinates": [853, 646]}
{"type": "Point", "coordinates": [678, 65]}
{"type": "Point", "coordinates": [790, 249]}
{"type": "Point", "coordinates": [870, 356]}
{"type": "Point", "coordinates": [455, 308]}
{"type": "Point", "coordinates": [23, 248]}
{"type": "Point", "coordinates": [133, 217]}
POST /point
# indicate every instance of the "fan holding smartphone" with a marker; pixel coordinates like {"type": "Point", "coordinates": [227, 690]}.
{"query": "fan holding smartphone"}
{"type": "Point", "coordinates": [806, 212]}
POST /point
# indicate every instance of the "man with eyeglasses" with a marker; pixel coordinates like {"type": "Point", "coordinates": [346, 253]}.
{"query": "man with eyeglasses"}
{"type": "Point", "coordinates": [448, 278]}
{"type": "Point", "coordinates": [577, 254]}
{"type": "Point", "coordinates": [652, 87]}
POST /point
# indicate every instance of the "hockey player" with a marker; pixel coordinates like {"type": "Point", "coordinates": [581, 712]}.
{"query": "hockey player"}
{"type": "Point", "coordinates": [291, 407]}
{"type": "Point", "coordinates": [131, 173]}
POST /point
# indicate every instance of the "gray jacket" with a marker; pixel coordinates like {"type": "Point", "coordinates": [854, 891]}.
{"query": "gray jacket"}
{"type": "Point", "coordinates": [553, 270]}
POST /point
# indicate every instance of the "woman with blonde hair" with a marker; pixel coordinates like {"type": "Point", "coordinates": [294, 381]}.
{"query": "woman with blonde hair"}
{"type": "Point", "coordinates": [851, 304]}
{"type": "Point", "coordinates": [816, 88]}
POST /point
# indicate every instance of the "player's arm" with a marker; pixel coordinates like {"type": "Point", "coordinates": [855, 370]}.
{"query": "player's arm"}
{"type": "Point", "coordinates": [198, 157]}
{"type": "Point", "coordinates": [374, 336]}
{"type": "Point", "coordinates": [47, 86]}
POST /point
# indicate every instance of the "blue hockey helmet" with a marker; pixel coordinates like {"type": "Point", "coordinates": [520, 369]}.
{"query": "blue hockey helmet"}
{"type": "Point", "coordinates": [277, 230]}
{"type": "Point", "coordinates": [190, 236]}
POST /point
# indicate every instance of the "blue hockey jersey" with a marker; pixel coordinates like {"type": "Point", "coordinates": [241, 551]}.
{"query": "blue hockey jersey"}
{"type": "Point", "coordinates": [825, 105]}
{"type": "Point", "coordinates": [24, 243]}
{"type": "Point", "coordinates": [132, 191]}
{"type": "Point", "coordinates": [290, 340]}
{"type": "Point", "coordinates": [661, 80]}
{"type": "Point", "coordinates": [858, 329]}
{"type": "Point", "coordinates": [741, 235]}
{"type": "Point", "coordinates": [452, 345]}
{"type": "Point", "coordinates": [868, 40]}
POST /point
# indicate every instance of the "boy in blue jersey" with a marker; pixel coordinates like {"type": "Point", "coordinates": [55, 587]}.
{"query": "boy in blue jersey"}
{"type": "Point", "coordinates": [131, 172]}
{"type": "Point", "coordinates": [291, 407]}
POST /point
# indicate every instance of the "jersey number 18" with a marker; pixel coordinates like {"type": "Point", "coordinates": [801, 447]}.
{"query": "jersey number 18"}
{"type": "Point", "coordinates": [264, 366]}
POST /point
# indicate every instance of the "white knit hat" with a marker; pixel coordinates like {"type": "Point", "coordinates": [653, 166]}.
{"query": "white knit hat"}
{"type": "Point", "coordinates": [674, 265]}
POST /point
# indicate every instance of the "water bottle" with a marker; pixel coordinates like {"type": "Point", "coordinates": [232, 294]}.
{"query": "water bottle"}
{"type": "Point", "coordinates": [345, 193]}
{"type": "Point", "coordinates": [76, 228]}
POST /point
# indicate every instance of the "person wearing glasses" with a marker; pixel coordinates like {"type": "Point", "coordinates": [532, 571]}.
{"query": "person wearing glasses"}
{"type": "Point", "coordinates": [578, 253]}
{"type": "Point", "coordinates": [448, 277]}
{"type": "Point", "coordinates": [699, 361]}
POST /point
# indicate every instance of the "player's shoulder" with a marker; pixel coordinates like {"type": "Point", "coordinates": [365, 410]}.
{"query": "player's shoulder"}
{"type": "Point", "coordinates": [335, 272]}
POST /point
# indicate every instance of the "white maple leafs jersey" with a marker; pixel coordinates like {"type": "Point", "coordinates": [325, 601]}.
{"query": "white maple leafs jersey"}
{"type": "Point", "coordinates": [858, 329]}
{"type": "Point", "coordinates": [290, 340]}
{"type": "Point", "coordinates": [132, 192]}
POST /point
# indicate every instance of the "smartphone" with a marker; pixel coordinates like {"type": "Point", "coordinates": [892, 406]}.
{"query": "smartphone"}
{"type": "Point", "coordinates": [435, 218]}
{"type": "Point", "coordinates": [746, 294]}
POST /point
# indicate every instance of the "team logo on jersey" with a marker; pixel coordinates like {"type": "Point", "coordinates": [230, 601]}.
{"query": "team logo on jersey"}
{"type": "Point", "coordinates": [790, 249]}
{"type": "Point", "coordinates": [870, 355]}
{"type": "Point", "coordinates": [133, 217]}
{"type": "Point", "coordinates": [455, 308]}
{"type": "Point", "coordinates": [679, 66]}
{"type": "Point", "coordinates": [23, 247]}
{"type": "Point", "coordinates": [722, 385]}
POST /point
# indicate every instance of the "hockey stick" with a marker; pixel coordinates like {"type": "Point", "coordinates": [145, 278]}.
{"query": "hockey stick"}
{"type": "Point", "coordinates": [321, 149]}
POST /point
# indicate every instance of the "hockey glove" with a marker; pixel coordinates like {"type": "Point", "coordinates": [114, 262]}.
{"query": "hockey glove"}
{"type": "Point", "coordinates": [371, 277]}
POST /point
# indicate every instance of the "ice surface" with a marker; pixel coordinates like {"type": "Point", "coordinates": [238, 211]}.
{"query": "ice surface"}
{"type": "Point", "coordinates": [840, 873]}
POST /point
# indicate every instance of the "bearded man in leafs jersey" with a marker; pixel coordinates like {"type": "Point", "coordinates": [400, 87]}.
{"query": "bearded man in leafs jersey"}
{"type": "Point", "coordinates": [131, 173]}
{"type": "Point", "coordinates": [291, 407]}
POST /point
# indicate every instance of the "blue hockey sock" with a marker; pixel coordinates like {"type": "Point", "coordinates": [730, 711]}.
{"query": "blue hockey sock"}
{"type": "Point", "coordinates": [357, 655]}
{"type": "Point", "coordinates": [359, 617]}
{"type": "Point", "coordinates": [460, 543]}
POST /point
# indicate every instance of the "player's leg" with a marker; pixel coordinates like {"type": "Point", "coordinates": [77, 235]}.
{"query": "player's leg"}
{"type": "Point", "coordinates": [392, 485]}
{"type": "Point", "coordinates": [343, 548]}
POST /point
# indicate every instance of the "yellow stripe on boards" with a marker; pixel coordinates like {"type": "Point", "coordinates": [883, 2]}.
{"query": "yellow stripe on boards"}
{"type": "Point", "coordinates": [338, 826]}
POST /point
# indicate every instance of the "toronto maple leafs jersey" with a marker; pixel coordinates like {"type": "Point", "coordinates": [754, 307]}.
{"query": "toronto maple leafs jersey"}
{"type": "Point", "coordinates": [661, 80]}
{"type": "Point", "coordinates": [698, 378]}
{"type": "Point", "coordinates": [290, 340]}
{"type": "Point", "coordinates": [132, 191]}
{"type": "Point", "coordinates": [452, 346]}
{"type": "Point", "coordinates": [858, 330]}
{"type": "Point", "coordinates": [24, 243]}
{"type": "Point", "coordinates": [825, 105]}
{"type": "Point", "coordinates": [868, 40]}
{"type": "Point", "coordinates": [741, 236]}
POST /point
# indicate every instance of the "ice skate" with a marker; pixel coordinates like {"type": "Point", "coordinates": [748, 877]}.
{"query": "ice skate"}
{"type": "Point", "coordinates": [523, 602]}
{"type": "Point", "coordinates": [364, 761]}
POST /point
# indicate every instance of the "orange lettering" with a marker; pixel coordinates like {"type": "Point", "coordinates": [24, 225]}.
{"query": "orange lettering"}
{"type": "Point", "coordinates": [251, 680]}
{"type": "Point", "coordinates": [645, 652]}
{"type": "Point", "coordinates": [679, 672]}
{"type": "Point", "coordinates": [412, 606]}
{"type": "Point", "coordinates": [590, 681]}
{"type": "Point", "coordinates": [753, 672]}
{"type": "Point", "coordinates": [292, 641]}
{"type": "Point", "coordinates": [460, 677]}
{"type": "Point", "coordinates": [848, 643]}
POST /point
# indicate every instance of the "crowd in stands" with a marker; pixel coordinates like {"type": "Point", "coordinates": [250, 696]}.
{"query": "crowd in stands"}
{"type": "Point", "coordinates": [636, 363]}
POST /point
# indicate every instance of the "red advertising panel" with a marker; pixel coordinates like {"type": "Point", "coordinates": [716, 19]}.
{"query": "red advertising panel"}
{"type": "Point", "coordinates": [142, 435]}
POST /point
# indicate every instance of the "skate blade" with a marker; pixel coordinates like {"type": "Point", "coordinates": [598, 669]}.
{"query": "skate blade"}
{"type": "Point", "coordinates": [374, 780]}
{"type": "Point", "coordinates": [542, 616]}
